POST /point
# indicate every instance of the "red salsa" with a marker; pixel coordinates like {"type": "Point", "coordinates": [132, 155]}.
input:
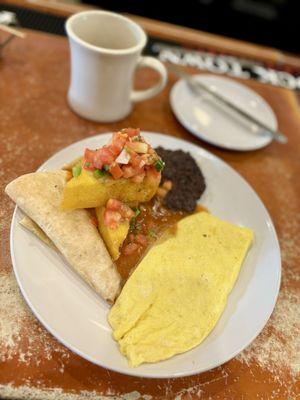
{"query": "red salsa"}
{"type": "Point", "coordinates": [150, 222]}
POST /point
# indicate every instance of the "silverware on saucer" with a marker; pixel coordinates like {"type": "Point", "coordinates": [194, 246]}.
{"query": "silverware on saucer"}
{"type": "Point", "coordinates": [198, 88]}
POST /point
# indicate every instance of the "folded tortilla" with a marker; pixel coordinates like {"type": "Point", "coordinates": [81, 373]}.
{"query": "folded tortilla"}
{"type": "Point", "coordinates": [39, 196]}
{"type": "Point", "coordinates": [32, 227]}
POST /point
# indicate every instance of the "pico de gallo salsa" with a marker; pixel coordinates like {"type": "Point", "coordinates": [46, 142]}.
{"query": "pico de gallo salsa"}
{"type": "Point", "coordinates": [130, 224]}
{"type": "Point", "coordinates": [126, 156]}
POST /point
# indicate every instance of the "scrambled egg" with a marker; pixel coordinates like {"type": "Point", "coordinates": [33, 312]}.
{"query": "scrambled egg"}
{"type": "Point", "coordinates": [175, 297]}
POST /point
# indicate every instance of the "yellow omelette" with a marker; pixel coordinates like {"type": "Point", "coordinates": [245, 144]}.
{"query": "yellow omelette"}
{"type": "Point", "coordinates": [175, 297]}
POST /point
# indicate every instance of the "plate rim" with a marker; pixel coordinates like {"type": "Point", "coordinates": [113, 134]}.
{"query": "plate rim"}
{"type": "Point", "coordinates": [133, 372]}
{"type": "Point", "coordinates": [205, 138]}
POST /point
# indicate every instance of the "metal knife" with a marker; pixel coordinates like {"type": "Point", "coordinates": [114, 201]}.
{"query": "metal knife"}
{"type": "Point", "coordinates": [198, 87]}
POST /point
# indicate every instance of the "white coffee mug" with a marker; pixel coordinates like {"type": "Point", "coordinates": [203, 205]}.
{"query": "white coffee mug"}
{"type": "Point", "coordinates": [105, 52]}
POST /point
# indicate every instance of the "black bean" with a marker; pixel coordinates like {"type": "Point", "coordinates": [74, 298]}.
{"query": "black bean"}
{"type": "Point", "coordinates": [187, 179]}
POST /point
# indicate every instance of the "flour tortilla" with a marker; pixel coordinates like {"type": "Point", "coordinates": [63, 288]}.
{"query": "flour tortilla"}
{"type": "Point", "coordinates": [39, 196]}
{"type": "Point", "coordinates": [32, 227]}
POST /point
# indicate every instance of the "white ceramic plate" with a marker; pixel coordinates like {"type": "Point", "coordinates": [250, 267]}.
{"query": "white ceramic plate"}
{"type": "Point", "coordinates": [76, 316]}
{"type": "Point", "coordinates": [216, 124]}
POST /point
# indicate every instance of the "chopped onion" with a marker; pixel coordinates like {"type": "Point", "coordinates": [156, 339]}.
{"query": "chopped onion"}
{"type": "Point", "coordinates": [123, 157]}
{"type": "Point", "coordinates": [138, 147]}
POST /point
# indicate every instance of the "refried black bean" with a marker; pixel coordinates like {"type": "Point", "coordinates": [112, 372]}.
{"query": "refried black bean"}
{"type": "Point", "coordinates": [188, 182]}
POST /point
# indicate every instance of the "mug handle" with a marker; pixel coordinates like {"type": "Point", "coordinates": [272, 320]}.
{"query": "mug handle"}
{"type": "Point", "coordinates": [150, 62]}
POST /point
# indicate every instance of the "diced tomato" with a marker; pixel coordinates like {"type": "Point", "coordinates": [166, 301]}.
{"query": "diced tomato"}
{"type": "Point", "coordinates": [102, 157]}
{"type": "Point", "coordinates": [153, 173]}
{"type": "Point", "coordinates": [114, 205]}
{"type": "Point", "coordinates": [114, 149]}
{"type": "Point", "coordinates": [116, 171]}
{"type": "Point", "coordinates": [88, 159]}
{"type": "Point", "coordinates": [98, 163]}
{"type": "Point", "coordinates": [112, 218]}
{"type": "Point", "coordinates": [138, 178]}
{"type": "Point", "coordinates": [131, 132]}
{"type": "Point", "coordinates": [141, 239]}
{"type": "Point", "coordinates": [128, 171]}
{"type": "Point", "coordinates": [123, 209]}
{"type": "Point", "coordinates": [120, 139]}
{"type": "Point", "coordinates": [118, 142]}
{"type": "Point", "coordinates": [135, 160]}
{"type": "Point", "coordinates": [130, 249]}
{"type": "Point", "coordinates": [88, 165]}
{"type": "Point", "coordinates": [126, 211]}
{"type": "Point", "coordinates": [89, 155]}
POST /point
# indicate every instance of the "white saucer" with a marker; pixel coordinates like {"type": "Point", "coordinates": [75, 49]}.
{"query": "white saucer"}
{"type": "Point", "coordinates": [207, 119]}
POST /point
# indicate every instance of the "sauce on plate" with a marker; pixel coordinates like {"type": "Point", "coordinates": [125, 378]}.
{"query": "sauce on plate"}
{"type": "Point", "coordinates": [152, 221]}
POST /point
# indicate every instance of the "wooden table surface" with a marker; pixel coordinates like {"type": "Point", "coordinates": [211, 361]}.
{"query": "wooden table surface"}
{"type": "Point", "coordinates": [36, 122]}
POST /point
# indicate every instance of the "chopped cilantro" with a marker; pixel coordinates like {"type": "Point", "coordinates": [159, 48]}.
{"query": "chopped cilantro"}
{"type": "Point", "coordinates": [76, 170]}
{"type": "Point", "coordinates": [137, 211]}
{"type": "Point", "coordinates": [137, 138]}
{"type": "Point", "coordinates": [132, 224]}
{"type": "Point", "coordinates": [135, 226]}
{"type": "Point", "coordinates": [106, 167]}
{"type": "Point", "coordinates": [152, 233]}
{"type": "Point", "coordinates": [159, 165]}
{"type": "Point", "coordinates": [98, 173]}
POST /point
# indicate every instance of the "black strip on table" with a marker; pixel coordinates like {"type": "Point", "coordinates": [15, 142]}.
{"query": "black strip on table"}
{"type": "Point", "coordinates": [171, 51]}
{"type": "Point", "coordinates": [37, 20]}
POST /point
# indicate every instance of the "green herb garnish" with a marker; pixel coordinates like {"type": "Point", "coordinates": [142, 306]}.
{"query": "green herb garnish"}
{"type": "Point", "coordinates": [76, 170]}
{"type": "Point", "coordinates": [159, 165]}
{"type": "Point", "coordinates": [132, 224]}
{"type": "Point", "coordinates": [98, 173]}
{"type": "Point", "coordinates": [87, 164]}
{"type": "Point", "coordinates": [152, 233]}
{"type": "Point", "coordinates": [137, 211]}
{"type": "Point", "coordinates": [137, 138]}
{"type": "Point", "coordinates": [106, 167]}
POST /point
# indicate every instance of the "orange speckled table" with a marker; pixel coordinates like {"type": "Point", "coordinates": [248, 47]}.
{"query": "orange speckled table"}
{"type": "Point", "coordinates": [35, 122]}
